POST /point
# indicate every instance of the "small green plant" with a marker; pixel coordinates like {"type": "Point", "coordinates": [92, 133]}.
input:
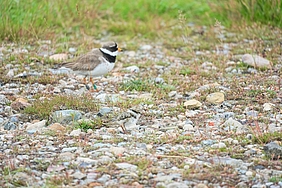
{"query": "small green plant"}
{"type": "Point", "coordinates": [58, 180]}
{"type": "Point", "coordinates": [266, 137]}
{"type": "Point", "coordinates": [275, 179]}
{"type": "Point", "coordinates": [254, 92]}
{"type": "Point", "coordinates": [85, 125]}
{"type": "Point", "coordinates": [186, 71]}
{"type": "Point", "coordinates": [135, 85]}
{"type": "Point", "coordinates": [146, 85]}
{"type": "Point", "coordinates": [183, 138]}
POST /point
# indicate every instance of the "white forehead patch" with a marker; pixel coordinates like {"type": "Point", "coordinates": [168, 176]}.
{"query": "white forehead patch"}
{"type": "Point", "coordinates": [115, 53]}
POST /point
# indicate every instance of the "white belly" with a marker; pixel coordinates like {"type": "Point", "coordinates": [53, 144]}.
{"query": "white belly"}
{"type": "Point", "coordinates": [100, 70]}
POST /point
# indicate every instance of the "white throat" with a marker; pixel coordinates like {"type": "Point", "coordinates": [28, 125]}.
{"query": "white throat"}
{"type": "Point", "coordinates": [109, 52]}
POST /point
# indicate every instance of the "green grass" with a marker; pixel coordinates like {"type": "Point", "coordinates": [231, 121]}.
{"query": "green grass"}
{"type": "Point", "coordinates": [42, 108]}
{"type": "Point", "coordinates": [63, 20]}
{"type": "Point", "coordinates": [36, 18]}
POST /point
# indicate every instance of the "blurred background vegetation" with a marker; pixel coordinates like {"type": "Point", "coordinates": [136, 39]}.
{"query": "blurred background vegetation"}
{"type": "Point", "coordinates": [33, 19]}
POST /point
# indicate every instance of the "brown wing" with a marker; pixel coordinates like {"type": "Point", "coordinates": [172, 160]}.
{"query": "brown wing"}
{"type": "Point", "coordinates": [85, 62]}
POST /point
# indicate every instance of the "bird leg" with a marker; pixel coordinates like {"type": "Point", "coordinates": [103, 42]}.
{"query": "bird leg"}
{"type": "Point", "coordinates": [123, 129]}
{"type": "Point", "coordinates": [85, 83]}
{"type": "Point", "coordinates": [93, 84]}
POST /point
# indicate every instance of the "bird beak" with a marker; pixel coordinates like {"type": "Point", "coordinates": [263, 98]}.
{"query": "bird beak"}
{"type": "Point", "coordinates": [120, 50]}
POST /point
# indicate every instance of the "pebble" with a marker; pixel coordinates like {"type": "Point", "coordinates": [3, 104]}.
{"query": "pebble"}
{"type": "Point", "coordinates": [72, 50]}
{"type": "Point", "coordinates": [273, 150]}
{"type": "Point", "coordinates": [3, 99]}
{"type": "Point", "coordinates": [10, 126]}
{"type": "Point", "coordinates": [192, 104]}
{"type": "Point", "coordinates": [36, 127]}
{"type": "Point", "coordinates": [268, 106]}
{"type": "Point", "coordinates": [20, 104]}
{"type": "Point", "coordinates": [172, 93]}
{"type": "Point", "coordinates": [76, 132]}
{"type": "Point", "coordinates": [126, 166]}
{"type": "Point", "coordinates": [215, 98]}
{"type": "Point", "coordinates": [104, 110]}
{"type": "Point", "coordinates": [249, 173]}
{"type": "Point", "coordinates": [188, 127]}
{"type": "Point", "coordinates": [103, 97]}
{"type": "Point", "coordinates": [117, 150]}
{"type": "Point", "coordinates": [159, 80]}
{"type": "Point", "coordinates": [78, 175]}
{"type": "Point", "coordinates": [57, 127]}
{"type": "Point", "coordinates": [104, 178]}
{"type": "Point", "coordinates": [201, 185]}
{"type": "Point", "coordinates": [66, 116]}
{"type": "Point", "coordinates": [132, 69]}
{"type": "Point", "coordinates": [233, 125]}
{"type": "Point", "coordinates": [146, 47]}
{"type": "Point", "coordinates": [59, 57]}
{"type": "Point", "coordinates": [256, 61]}
{"type": "Point", "coordinates": [176, 185]}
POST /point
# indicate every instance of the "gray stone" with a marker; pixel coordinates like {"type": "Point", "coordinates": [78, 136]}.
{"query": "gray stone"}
{"type": "Point", "coordinates": [268, 106]}
{"type": "Point", "coordinates": [72, 50]}
{"type": "Point", "coordinates": [241, 185]}
{"type": "Point", "coordinates": [146, 47]}
{"type": "Point", "coordinates": [104, 110]}
{"type": "Point", "coordinates": [117, 150]}
{"type": "Point", "coordinates": [172, 93]}
{"type": "Point", "coordinates": [221, 145]}
{"type": "Point", "coordinates": [273, 150]}
{"type": "Point", "coordinates": [105, 159]}
{"type": "Point", "coordinates": [188, 127]}
{"type": "Point", "coordinates": [72, 149]}
{"type": "Point", "coordinates": [132, 68]}
{"type": "Point", "coordinates": [86, 160]}
{"type": "Point", "coordinates": [164, 178]}
{"type": "Point", "coordinates": [201, 185]}
{"type": "Point", "coordinates": [252, 114]}
{"type": "Point", "coordinates": [23, 179]}
{"type": "Point", "coordinates": [236, 163]}
{"type": "Point", "coordinates": [1, 121]}
{"type": "Point", "coordinates": [37, 127]}
{"type": "Point", "coordinates": [104, 97]}
{"type": "Point", "coordinates": [10, 126]}
{"type": "Point", "coordinates": [126, 166]}
{"type": "Point", "coordinates": [76, 132]}
{"type": "Point", "coordinates": [256, 61]}
{"type": "Point", "coordinates": [176, 185]}
{"type": "Point", "coordinates": [159, 80]}
{"type": "Point", "coordinates": [4, 100]}
{"type": "Point", "coordinates": [78, 175]}
{"type": "Point", "coordinates": [104, 178]}
{"type": "Point", "coordinates": [225, 115]}
{"type": "Point", "coordinates": [92, 175]}
{"type": "Point", "coordinates": [233, 125]}
{"type": "Point", "coordinates": [66, 116]}
{"type": "Point", "coordinates": [208, 142]}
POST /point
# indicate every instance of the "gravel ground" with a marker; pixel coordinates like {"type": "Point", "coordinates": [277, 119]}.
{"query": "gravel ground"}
{"type": "Point", "coordinates": [158, 120]}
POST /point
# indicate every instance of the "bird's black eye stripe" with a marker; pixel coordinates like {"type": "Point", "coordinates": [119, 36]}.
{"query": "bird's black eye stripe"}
{"type": "Point", "coordinates": [113, 48]}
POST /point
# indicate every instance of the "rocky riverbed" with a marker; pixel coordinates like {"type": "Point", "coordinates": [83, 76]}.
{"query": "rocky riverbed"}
{"type": "Point", "coordinates": [164, 117]}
